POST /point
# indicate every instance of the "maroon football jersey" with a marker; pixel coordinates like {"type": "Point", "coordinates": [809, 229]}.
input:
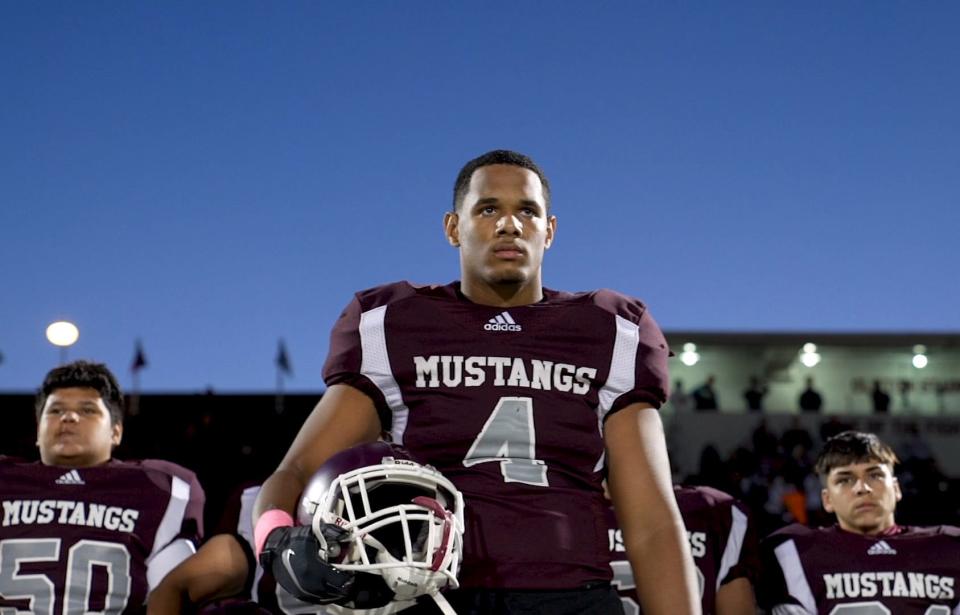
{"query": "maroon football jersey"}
{"type": "Point", "coordinates": [81, 540]}
{"type": "Point", "coordinates": [509, 405]}
{"type": "Point", "coordinates": [723, 543]}
{"type": "Point", "coordinates": [829, 570]}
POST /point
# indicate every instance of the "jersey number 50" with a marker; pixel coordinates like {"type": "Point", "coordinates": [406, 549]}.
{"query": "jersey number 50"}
{"type": "Point", "coordinates": [38, 589]}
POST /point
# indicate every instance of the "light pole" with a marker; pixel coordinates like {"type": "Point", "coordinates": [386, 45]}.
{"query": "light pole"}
{"type": "Point", "coordinates": [63, 334]}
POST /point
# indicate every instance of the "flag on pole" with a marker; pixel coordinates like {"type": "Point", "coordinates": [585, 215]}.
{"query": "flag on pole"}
{"type": "Point", "coordinates": [283, 360]}
{"type": "Point", "coordinates": [139, 358]}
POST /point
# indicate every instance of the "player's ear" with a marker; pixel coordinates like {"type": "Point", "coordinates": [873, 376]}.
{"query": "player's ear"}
{"type": "Point", "coordinates": [551, 231]}
{"type": "Point", "coordinates": [825, 500]}
{"type": "Point", "coordinates": [450, 228]}
{"type": "Point", "coordinates": [896, 489]}
{"type": "Point", "coordinates": [117, 434]}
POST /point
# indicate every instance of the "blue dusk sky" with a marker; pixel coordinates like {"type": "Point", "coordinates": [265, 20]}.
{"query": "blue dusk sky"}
{"type": "Point", "coordinates": [210, 177]}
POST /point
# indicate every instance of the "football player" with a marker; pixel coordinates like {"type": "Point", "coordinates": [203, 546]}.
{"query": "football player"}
{"type": "Point", "coordinates": [81, 531]}
{"type": "Point", "coordinates": [866, 564]}
{"type": "Point", "coordinates": [519, 394]}
{"type": "Point", "coordinates": [723, 543]}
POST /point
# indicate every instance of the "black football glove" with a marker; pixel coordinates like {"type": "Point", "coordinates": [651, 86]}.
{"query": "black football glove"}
{"type": "Point", "coordinates": [293, 555]}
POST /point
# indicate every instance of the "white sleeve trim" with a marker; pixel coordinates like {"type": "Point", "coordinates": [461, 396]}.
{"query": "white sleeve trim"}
{"type": "Point", "coordinates": [731, 553]}
{"type": "Point", "coordinates": [375, 365]}
{"type": "Point", "coordinates": [173, 517]}
{"type": "Point", "coordinates": [622, 375]}
{"type": "Point", "coordinates": [167, 559]}
{"type": "Point", "coordinates": [245, 530]}
{"type": "Point", "coordinates": [791, 609]}
{"type": "Point", "coordinates": [796, 579]}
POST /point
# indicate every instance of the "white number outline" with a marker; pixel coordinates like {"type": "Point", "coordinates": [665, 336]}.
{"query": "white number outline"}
{"type": "Point", "coordinates": [516, 456]}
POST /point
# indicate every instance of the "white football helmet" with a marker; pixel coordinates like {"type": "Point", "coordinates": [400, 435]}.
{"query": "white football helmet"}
{"type": "Point", "coordinates": [403, 520]}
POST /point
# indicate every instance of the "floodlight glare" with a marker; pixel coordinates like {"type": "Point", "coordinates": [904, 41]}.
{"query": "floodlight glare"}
{"type": "Point", "coordinates": [809, 348]}
{"type": "Point", "coordinates": [62, 333]}
{"type": "Point", "coordinates": [919, 361]}
{"type": "Point", "coordinates": [689, 356]}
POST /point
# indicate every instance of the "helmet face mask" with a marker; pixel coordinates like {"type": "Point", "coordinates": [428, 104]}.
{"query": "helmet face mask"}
{"type": "Point", "coordinates": [403, 521]}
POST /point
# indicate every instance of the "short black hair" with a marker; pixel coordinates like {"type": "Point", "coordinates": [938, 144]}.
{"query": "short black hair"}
{"type": "Point", "coordinates": [850, 447]}
{"type": "Point", "coordinates": [497, 156]}
{"type": "Point", "coordinates": [87, 375]}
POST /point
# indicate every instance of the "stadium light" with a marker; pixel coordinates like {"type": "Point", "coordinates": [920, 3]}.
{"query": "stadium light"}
{"type": "Point", "coordinates": [920, 356]}
{"type": "Point", "coordinates": [689, 356]}
{"type": "Point", "coordinates": [809, 355]}
{"type": "Point", "coordinates": [63, 334]}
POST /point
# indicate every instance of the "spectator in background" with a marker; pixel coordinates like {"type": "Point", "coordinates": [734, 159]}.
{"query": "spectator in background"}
{"type": "Point", "coordinates": [764, 441]}
{"type": "Point", "coordinates": [905, 387]}
{"type": "Point", "coordinates": [810, 399]}
{"type": "Point", "coordinates": [680, 399]}
{"type": "Point", "coordinates": [704, 397]}
{"type": "Point", "coordinates": [796, 441]}
{"type": "Point", "coordinates": [881, 401]}
{"type": "Point", "coordinates": [754, 395]}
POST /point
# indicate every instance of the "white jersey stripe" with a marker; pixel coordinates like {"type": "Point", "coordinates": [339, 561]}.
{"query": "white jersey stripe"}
{"type": "Point", "coordinates": [375, 365]}
{"type": "Point", "coordinates": [731, 553]}
{"type": "Point", "coordinates": [509, 319]}
{"type": "Point", "coordinates": [793, 574]}
{"type": "Point", "coordinates": [245, 529]}
{"type": "Point", "coordinates": [622, 376]}
{"type": "Point", "coordinates": [622, 365]}
{"type": "Point", "coordinates": [173, 517]}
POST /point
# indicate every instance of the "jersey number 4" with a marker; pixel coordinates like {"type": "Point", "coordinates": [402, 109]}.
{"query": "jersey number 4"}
{"type": "Point", "coordinates": [38, 589]}
{"type": "Point", "coordinates": [509, 438]}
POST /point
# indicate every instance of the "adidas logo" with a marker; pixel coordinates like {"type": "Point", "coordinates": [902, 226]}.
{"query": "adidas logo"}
{"type": "Point", "coordinates": [502, 322]}
{"type": "Point", "coordinates": [70, 478]}
{"type": "Point", "coordinates": [881, 548]}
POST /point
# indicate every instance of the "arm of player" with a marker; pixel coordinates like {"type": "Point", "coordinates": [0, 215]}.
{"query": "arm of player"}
{"type": "Point", "coordinates": [653, 531]}
{"type": "Point", "coordinates": [344, 417]}
{"type": "Point", "coordinates": [736, 598]}
{"type": "Point", "coordinates": [221, 568]}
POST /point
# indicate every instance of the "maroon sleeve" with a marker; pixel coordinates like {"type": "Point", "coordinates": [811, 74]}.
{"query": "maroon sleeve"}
{"type": "Point", "coordinates": [346, 356]}
{"type": "Point", "coordinates": [748, 566]}
{"type": "Point", "coordinates": [772, 586]}
{"type": "Point", "coordinates": [191, 524]}
{"type": "Point", "coordinates": [651, 375]}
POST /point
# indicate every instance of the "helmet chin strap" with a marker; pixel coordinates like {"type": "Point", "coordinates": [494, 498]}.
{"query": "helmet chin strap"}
{"type": "Point", "coordinates": [442, 604]}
